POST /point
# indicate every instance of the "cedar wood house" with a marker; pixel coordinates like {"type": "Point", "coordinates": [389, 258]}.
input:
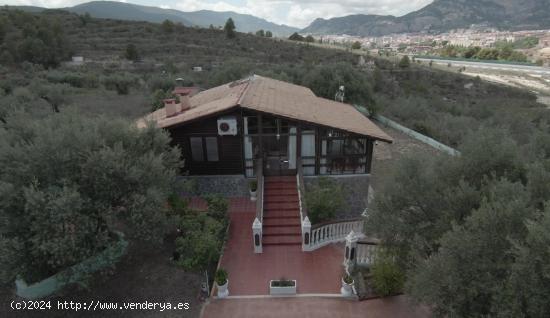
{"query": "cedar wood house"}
{"type": "Point", "coordinates": [226, 130]}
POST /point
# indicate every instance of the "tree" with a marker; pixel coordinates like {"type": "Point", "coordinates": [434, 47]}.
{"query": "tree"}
{"type": "Point", "coordinates": [268, 34]}
{"type": "Point", "coordinates": [260, 33]}
{"type": "Point", "coordinates": [229, 28]}
{"type": "Point", "coordinates": [296, 37]}
{"type": "Point", "coordinates": [405, 62]}
{"type": "Point", "coordinates": [131, 52]}
{"type": "Point", "coordinates": [66, 181]}
{"type": "Point", "coordinates": [310, 39]}
{"type": "Point", "coordinates": [356, 45]}
{"type": "Point", "coordinates": [167, 26]}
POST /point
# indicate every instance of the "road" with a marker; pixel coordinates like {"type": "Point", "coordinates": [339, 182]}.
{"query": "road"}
{"type": "Point", "coordinates": [491, 66]}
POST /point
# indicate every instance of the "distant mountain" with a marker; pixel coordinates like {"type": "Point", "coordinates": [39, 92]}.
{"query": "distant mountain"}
{"type": "Point", "coordinates": [441, 16]}
{"type": "Point", "coordinates": [203, 18]}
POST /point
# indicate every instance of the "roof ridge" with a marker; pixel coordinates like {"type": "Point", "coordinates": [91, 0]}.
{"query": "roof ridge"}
{"type": "Point", "coordinates": [245, 90]}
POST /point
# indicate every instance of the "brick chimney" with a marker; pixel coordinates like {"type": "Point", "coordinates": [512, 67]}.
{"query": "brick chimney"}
{"type": "Point", "coordinates": [185, 102]}
{"type": "Point", "coordinates": [171, 107]}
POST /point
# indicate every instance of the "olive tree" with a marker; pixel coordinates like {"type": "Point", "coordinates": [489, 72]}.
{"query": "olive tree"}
{"type": "Point", "coordinates": [67, 183]}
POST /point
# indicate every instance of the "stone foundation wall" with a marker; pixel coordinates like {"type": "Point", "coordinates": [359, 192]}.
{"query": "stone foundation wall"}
{"type": "Point", "coordinates": [226, 185]}
{"type": "Point", "coordinates": [356, 191]}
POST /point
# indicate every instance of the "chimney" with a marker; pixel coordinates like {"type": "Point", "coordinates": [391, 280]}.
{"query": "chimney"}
{"type": "Point", "coordinates": [171, 107]}
{"type": "Point", "coordinates": [185, 102]}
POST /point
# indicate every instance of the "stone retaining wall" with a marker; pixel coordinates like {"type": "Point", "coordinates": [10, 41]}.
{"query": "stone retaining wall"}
{"type": "Point", "coordinates": [226, 185]}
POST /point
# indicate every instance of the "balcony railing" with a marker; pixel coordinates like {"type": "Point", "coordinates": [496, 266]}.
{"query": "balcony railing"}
{"type": "Point", "coordinates": [259, 220]}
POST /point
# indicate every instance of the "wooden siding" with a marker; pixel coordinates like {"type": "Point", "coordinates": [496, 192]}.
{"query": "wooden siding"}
{"type": "Point", "coordinates": [229, 147]}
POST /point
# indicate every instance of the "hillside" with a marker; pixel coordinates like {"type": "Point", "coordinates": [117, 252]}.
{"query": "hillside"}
{"type": "Point", "coordinates": [442, 16]}
{"type": "Point", "coordinates": [202, 18]}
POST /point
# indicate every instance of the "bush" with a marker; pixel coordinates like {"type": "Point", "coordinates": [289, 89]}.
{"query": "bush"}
{"type": "Point", "coordinates": [200, 242]}
{"type": "Point", "coordinates": [221, 277]}
{"type": "Point", "coordinates": [324, 199]}
{"type": "Point", "coordinates": [120, 83]}
{"type": "Point", "coordinates": [387, 278]}
{"type": "Point", "coordinates": [217, 207]}
{"type": "Point", "coordinates": [253, 185]}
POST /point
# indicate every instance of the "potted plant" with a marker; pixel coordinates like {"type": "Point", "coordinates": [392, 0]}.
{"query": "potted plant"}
{"type": "Point", "coordinates": [222, 282]}
{"type": "Point", "coordinates": [282, 287]}
{"type": "Point", "coordinates": [253, 186]}
{"type": "Point", "coordinates": [347, 285]}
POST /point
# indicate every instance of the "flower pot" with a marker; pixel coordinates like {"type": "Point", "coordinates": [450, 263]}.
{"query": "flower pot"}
{"type": "Point", "coordinates": [252, 195]}
{"type": "Point", "coordinates": [282, 290]}
{"type": "Point", "coordinates": [347, 289]}
{"type": "Point", "coordinates": [223, 291]}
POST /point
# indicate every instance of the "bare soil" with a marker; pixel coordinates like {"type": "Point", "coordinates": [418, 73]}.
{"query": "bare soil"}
{"type": "Point", "coordinates": [146, 273]}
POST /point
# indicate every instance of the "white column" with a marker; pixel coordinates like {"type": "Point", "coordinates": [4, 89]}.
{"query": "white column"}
{"type": "Point", "coordinates": [257, 235]}
{"type": "Point", "coordinates": [306, 234]}
{"type": "Point", "coordinates": [350, 255]}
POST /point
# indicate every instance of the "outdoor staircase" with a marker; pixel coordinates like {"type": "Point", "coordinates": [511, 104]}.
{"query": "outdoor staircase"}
{"type": "Point", "coordinates": [282, 224]}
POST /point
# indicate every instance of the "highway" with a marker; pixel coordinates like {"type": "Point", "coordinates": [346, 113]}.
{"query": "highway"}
{"type": "Point", "coordinates": [491, 66]}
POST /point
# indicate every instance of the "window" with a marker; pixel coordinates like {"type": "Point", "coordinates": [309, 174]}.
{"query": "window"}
{"type": "Point", "coordinates": [200, 144]}
{"type": "Point", "coordinates": [197, 152]}
{"type": "Point", "coordinates": [212, 148]}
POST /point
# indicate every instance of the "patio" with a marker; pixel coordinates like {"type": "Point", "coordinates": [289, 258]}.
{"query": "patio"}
{"type": "Point", "coordinates": [317, 272]}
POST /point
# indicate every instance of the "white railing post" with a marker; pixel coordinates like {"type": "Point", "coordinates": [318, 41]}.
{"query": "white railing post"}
{"type": "Point", "coordinates": [257, 235]}
{"type": "Point", "coordinates": [306, 234]}
{"type": "Point", "coordinates": [350, 256]}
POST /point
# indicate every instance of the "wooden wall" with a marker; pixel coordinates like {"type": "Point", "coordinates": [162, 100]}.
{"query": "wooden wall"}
{"type": "Point", "coordinates": [230, 149]}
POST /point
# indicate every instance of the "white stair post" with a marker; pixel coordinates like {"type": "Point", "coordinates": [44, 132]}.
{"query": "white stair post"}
{"type": "Point", "coordinates": [306, 234]}
{"type": "Point", "coordinates": [350, 256]}
{"type": "Point", "coordinates": [257, 235]}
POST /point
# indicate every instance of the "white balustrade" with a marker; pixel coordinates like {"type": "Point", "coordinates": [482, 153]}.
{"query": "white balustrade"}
{"type": "Point", "coordinates": [366, 253]}
{"type": "Point", "coordinates": [334, 232]}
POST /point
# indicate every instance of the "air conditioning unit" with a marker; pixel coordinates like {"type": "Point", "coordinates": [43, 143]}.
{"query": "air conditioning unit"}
{"type": "Point", "coordinates": [227, 126]}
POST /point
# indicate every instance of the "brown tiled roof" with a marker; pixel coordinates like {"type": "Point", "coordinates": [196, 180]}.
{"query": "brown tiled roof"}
{"type": "Point", "coordinates": [275, 97]}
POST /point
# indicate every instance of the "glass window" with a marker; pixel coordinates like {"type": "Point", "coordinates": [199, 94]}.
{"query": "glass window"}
{"type": "Point", "coordinates": [212, 148]}
{"type": "Point", "coordinates": [252, 125]}
{"type": "Point", "coordinates": [354, 146]}
{"type": "Point", "coordinates": [269, 125]}
{"type": "Point", "coordinates": [197, 152]}
{"type": "Point", "coordinates": [335, 147]}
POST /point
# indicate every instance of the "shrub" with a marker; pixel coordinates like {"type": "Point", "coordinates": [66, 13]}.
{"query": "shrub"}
{"type": "Point", "coordinates": [201, 241]}
{"type": "Point", "coordinates": [253, 185]}
{"type": "Point", "coordinates": [387, 277]}
{"type": "Point", "coordinates": [221, 277]}
{"type": "Point", "coordinates": [217, 207]}
{"type": "Point", "coordinates": [324, 199]}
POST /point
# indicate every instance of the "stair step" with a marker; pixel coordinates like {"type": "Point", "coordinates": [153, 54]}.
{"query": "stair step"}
{"type": "Point", "coordinates": [282, 240]}
{"type": "Point", "coordinates": [282, 231]}
{"type": "Point", "coordinates": [281, 215]}
{"type": "Point", "coordinates": [283, 221]}
{"type": "Point", "coordinates": [280, 179]}
{"type": "Point", "coordinates": [281, 199]}
{"type": "Point", "coordinates": [280, 192]}
{"type": "Point", "coordinates": [279, 186]}
{"type": "Point", "coordinates": [281, 206]}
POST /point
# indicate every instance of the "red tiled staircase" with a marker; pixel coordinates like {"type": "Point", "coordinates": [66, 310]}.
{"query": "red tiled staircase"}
{"type": "Point", "coordinates": [281, 212]}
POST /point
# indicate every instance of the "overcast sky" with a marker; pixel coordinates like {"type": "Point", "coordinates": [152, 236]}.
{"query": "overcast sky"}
{"type": "Point", "coordinates": [299, 13]}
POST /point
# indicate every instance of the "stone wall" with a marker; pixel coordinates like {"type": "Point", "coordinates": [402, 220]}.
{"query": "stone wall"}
{"type": "Point", "coordinates": [226, 185]}
{"type": "Point", "coordinates": [356, 190]}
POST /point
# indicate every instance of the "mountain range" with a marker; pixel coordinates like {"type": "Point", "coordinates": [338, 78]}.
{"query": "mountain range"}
{"type": "Point", "coordinates": [202, 18]}
{"type": "Point", "coordinates": [441, 16]}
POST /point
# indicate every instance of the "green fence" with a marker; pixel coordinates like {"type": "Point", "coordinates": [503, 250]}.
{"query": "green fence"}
{"type": "Point", "coordinates": [73, 274]}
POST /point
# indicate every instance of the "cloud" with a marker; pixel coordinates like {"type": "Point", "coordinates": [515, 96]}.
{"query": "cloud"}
{"type": "Point", "coordinates": [298, 13]}
{"type": "Point", "coordinates": [301, 13]}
